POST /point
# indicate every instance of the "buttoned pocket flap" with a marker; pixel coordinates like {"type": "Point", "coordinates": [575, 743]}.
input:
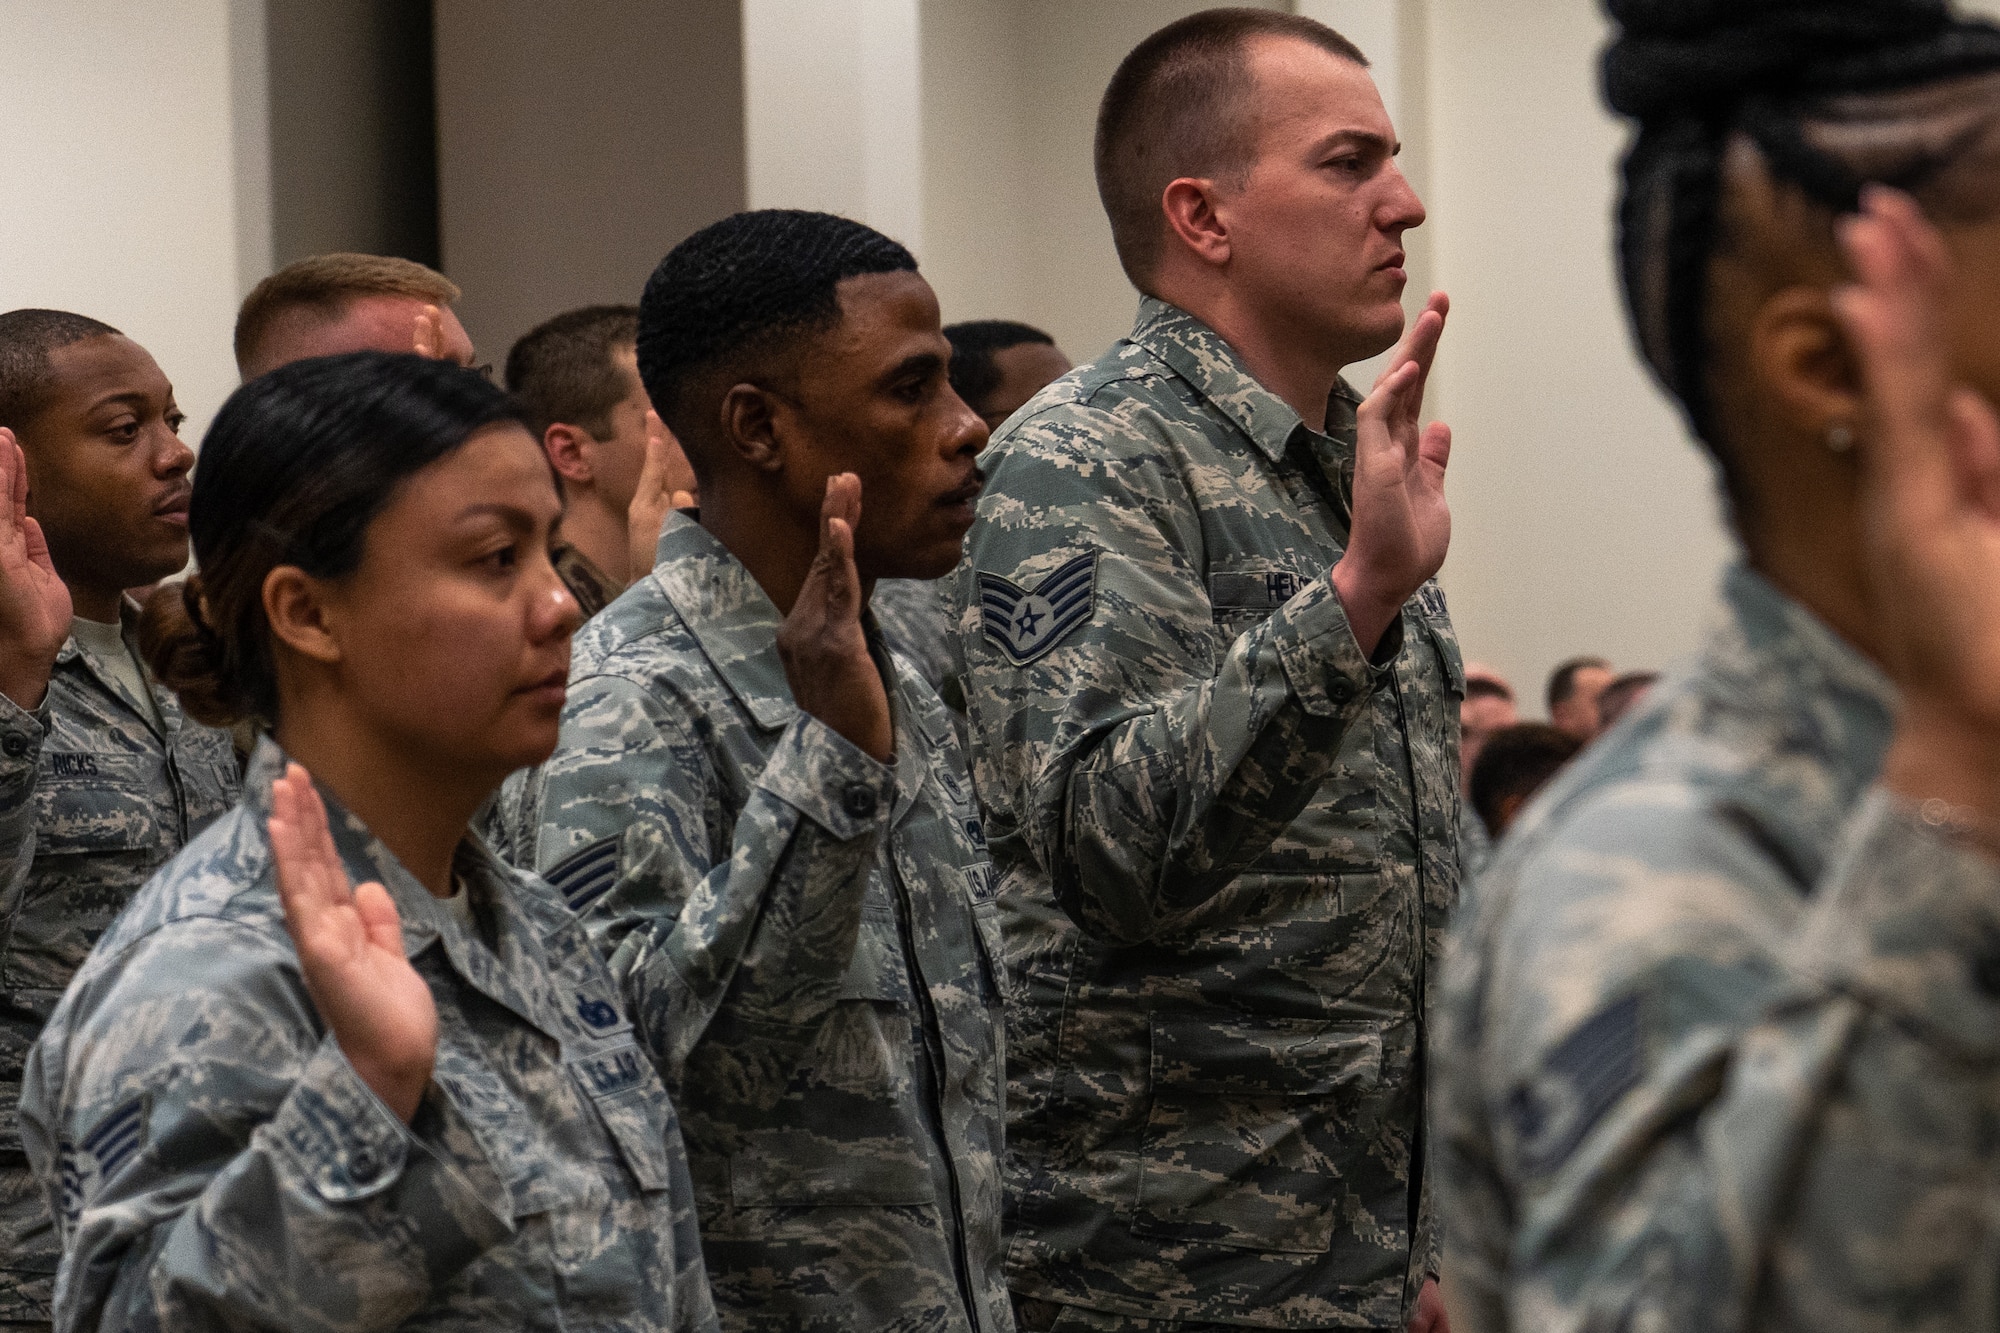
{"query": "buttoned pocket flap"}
{"type": "Point", "coordinates": [97, 802]}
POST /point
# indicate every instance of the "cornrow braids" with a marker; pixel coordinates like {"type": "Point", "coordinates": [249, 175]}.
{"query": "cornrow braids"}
{"type": "Point", "coordinates": [745, 287]}
{"type": "Point", "coordinates": [1831, 94]}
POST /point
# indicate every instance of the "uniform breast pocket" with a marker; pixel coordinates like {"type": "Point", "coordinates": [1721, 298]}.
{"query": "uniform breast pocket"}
{"type": "Point", "coordinates": [622, 1086]}
{"type": "Point", "coordinates": [88, 803]}
{"type": "Point", "coordinates": [1236, 1147]}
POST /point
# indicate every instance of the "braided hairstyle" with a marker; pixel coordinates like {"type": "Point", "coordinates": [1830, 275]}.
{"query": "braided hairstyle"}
{"type": "Point", "coordinates": [1833, 94]}
{"type": "Point", "coordinates": [741, 291]}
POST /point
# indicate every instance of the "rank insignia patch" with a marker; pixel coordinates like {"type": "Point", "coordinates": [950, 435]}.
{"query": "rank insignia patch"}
{"type": "Point", "coordinates": [1026, 623]}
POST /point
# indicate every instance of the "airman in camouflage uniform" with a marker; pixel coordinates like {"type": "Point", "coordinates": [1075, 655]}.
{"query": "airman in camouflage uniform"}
{"type": "Point", "coordinates": [915, 621]}
{"type": "Point", "coordinates": [97, 790]}
{"type": "Point", "coordinates": [857, 1188]}
{"type": "Point", "coordinates": [1631, 929]}
{"type": "Point", "coordinates": [1226, 842]}
{"type": "Point", "coordinates": [218, 1163]}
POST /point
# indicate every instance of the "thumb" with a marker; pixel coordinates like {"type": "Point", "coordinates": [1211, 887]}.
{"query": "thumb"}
{"type": "Point", "coordinates": [379, 917]}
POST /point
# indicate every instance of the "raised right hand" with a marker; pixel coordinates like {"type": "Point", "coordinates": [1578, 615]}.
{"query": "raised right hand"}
{"type": "Point", "coordinates": [1930, 510]}
{"type": "Point", "coordinates": [666, 483]}
{"type": "Point", "coordinates": [821, 642]}
{"type": "Point", "coordinates": [1402, 526]}
{"type": "Point", "coordinates": [350, 944]}
{"type": "Point", "coordinates": [34, 602]}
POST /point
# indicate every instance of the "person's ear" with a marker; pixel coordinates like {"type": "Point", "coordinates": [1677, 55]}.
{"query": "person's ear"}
{"type": "Point", "coordinates": [568, 448]}
{"type": "Point", "coordinates": [1191, 206]}
{"type": "Point", "coordinates": [751, 426]}
{"type": "Point", "coordinates": [1803, 364]}
{"type": "Point", "coordinates": [295, 603]}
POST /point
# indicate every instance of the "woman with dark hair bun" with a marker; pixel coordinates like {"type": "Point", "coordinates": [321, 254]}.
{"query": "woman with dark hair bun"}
{"type": "Point", "coordinates": [1721, 1027]}
{"type": "Point", "coordinates": [270, 1100]}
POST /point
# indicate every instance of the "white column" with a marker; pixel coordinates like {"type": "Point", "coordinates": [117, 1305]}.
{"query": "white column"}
{"type": "Point", "coordinates": [832, 114]}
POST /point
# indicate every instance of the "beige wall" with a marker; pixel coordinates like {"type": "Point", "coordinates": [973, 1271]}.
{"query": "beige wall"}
{"type": "Point", "coordinates": [579, 141]}
{"type": "Point", "coordinates": [1585, 520]}
{"type": "Point", "coordinates": [1012, 223]}
{"type": "Point", "coordinates": [119, 173]}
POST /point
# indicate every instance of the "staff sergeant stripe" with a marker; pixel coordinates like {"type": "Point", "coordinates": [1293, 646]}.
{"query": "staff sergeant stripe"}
{"type": "Point", "coordinates": [586, 875]}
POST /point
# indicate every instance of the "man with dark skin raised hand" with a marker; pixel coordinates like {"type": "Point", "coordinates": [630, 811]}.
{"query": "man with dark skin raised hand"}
{"type": "Point", "coordinates": [1214, 694]}
{"type": "Point", "coordinates": [857, 1188]}
{"type": "Point", "coordinates": [102, 779]}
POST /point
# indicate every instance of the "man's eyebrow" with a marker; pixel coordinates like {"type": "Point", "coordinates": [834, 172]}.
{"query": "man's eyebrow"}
{"type": "Point", "coordinates": [1360, 139]}
{"type": "Point", "coordinates": [124, 396]}
{"type": "Point", "coordinates": [922, 364]}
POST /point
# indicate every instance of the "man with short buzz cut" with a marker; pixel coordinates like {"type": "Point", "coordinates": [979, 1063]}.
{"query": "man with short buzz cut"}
{"type": "Point", "coordinates": [1214, 693]}
{"type": "Point", "coordinates": [577, 375]}
{"type": "Point", "coordinates": [1488, 706]}
{"type": "Point", "coordinates": [1574, 690]}
{"type": "Point", "coordinates": [328, 304]}
{"type": "Point", "coordinates": [102, 778]}
{"type": "Point", "coordinates": [855, 1183]}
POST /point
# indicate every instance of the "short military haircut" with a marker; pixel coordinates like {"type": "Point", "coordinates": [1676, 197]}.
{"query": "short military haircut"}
{"type": "Point", "coordinates": [320, 287]}
{"type": "Point", "coordinates": [566, 369]}
{"type": "Point", "coordinates": [1516, 762]}
{"type": "Point", "coordinates": [1180, 105]}
{"type": "Point", "coordinates": [737, 295]}
{"type": "Point", "coordinates": [27, 339]}
{"type": "Point", "coordinates": [1488, 687]}
{"type": "Point", "coordinates": [974, 373]}
{"type": "Point", "coordinates": [1562, 681]}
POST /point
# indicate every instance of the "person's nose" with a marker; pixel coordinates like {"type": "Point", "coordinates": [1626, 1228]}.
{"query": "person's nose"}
{"type": "Point", "coordinates": [174, 457]}
{"type": "Point", "coordinates": [1400, 209]}
{"type": "Point", "coordinates": [553, 611]}
{"type": "Point", "coordinates": [969, 433]}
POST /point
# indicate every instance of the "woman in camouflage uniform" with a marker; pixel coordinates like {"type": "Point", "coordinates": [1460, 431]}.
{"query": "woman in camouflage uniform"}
{"type": "Point", "coordinates": [272, 1101]}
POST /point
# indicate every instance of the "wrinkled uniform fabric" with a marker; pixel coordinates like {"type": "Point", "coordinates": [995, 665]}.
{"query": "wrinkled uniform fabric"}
{"type": "Point", "coordinates": [916, 622]}
{"type": "Point", "coordinates": [1226, 843]}
{"type": "Point", "coordinates": [93, 799]}
{"type": "Point", "coordinates": [218, 1164]}
{"type": "Point", "coordinates": [1636, 933]}
{"type": "Point", "coordinates": [858, 1186]}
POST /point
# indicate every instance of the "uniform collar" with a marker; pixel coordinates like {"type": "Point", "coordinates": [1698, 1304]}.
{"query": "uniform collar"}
{"type": "Point", "coordinates": [729, 615]}
{"type": "Point", "coordinates": [74, 651]}
{"type": "Point", "coordinates": [498, 971]}
{"type": "Point", "coordinates": [1827, 710]}
{"type": "Point", "coordinates": [1199, 355]}
{"type": "Point", "coordinates": [736, 624]}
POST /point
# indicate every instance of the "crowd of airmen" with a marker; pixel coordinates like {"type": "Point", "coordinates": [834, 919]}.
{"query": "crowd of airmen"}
{"type": "Point", "coordinates": [787, 821]}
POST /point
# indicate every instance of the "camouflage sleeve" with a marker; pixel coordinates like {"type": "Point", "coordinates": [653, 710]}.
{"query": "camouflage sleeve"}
{"type": "Point", "coordinates": [1144, 756]}
{"type": "Point", "coordinates": [745, 943]}
{"type": "Point", "coordinates": [21, 734]}
{"type": "Point", "coordinates": [1843, 1182]}
{"type": "Point", "coordinates": [215, 1164]}
{"type": "Point", "coordinates": [1591, 999]}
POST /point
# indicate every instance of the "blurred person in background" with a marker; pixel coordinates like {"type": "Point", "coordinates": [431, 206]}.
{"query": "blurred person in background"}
{"type": "Point", "coordinates": [1514, 764]}
{"type": "Point", "coordinates": [327, 304]}
{"type": "Point", "coordinates": [1488, 707]}
{"type": "Point", "coordinates": [1573, 691]}
{"type": "Point", "coordinates": [577, 377]}
{"type": "Point", "coordinates": [1624, 694]}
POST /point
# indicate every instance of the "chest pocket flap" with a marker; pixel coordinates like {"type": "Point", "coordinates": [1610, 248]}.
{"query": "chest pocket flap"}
{"type": "Point", "coordinates": [620, 1082]}
{"type": "Point", "coordinates": [99, 801]}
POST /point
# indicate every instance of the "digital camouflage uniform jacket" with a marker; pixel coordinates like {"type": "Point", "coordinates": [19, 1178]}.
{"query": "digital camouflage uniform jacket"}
{"type": "Point", "coordinates": [220, 1165]}
{"type": "Point", "coordinates": [1226, 843]}
{"type": "Point", "coordinates": [1637, 924]}
{"type": "Point", "coordinates": [859, 1187]}
{"type": "Point", "coordinates": [93, 799]}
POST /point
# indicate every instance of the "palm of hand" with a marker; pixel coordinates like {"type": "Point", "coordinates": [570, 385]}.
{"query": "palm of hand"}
{"type": "Point", "coordinates": [350, 947]}
{"type": "Point", "coordinates": [35, 607]}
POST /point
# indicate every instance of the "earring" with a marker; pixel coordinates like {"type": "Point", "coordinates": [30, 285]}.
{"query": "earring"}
{"type": "Point", "coordinates": [1840, 437]}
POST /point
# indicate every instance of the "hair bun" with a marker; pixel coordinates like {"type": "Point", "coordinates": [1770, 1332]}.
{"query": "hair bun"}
{"type": "Point", "coordinates": [185, 655]}
{"type": "Point", "coordinates": [1676, 58]}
